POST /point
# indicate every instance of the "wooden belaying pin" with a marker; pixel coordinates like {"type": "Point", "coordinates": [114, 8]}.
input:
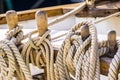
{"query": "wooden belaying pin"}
{"type": "Point", "coordinates": [42, 23]}
{"type": "Point", "coordinates": [84, 32]}
{"type": "Point", "coordinates": [112, 43]}
{"type": "Point", "coordinates": [12, 19]}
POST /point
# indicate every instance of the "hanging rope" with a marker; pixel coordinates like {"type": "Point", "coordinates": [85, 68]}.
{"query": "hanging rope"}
{"type": "Point", "coordinates": [79, 49]}
{"type": "Point", "coordinates": [78, 57]}
{"type": "Point", "coordinates": [13, 57]}
{"type": "Point", "coordinates": [44, 53]}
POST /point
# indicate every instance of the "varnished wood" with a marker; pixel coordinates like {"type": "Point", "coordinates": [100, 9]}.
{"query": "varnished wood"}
{"type": "Point", "coordinates": [59, 10]}
{"type": "Point", "coordinates": [42, 22]}
{"type": "Point", "coordinates": [84, 32]}
{"type": "Point", "coordinates": [104, 65]}
{"type": "Point", "coordinates": [99, 11]}
{"type": "Point", "coordinates": [112, 43]}
{"type": "Point", "coordinates": [12, 19]}
{"type": "Point", "coordinates": [30, 14]}
{"type": "Point", "coordinates": [106, 59]}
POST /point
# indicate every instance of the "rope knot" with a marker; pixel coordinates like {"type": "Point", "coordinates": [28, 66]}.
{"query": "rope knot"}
{"type": "Point", "coordinates": [16, 34]}
{"type": "Point", "coordinates": [35, 42]}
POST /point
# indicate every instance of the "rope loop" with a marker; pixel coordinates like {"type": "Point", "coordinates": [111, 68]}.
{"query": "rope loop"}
{"type": "Point", "coordinates": [74, 48]}
{"type": "Point", "coordinates": [15, 35]}
{"type": "Point", "coordinates": [13, 58]}
{"type": "Point", "coordinates": [40, 39]}
{"type": "Point", "coordinates": [39, 51]}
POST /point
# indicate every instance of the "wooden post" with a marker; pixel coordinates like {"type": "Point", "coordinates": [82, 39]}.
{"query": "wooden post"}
{"type": "Point", "coordinates": [107, 58]}
{"type": "Point", "coordinates": [112, 43]}
{"type": "Point", "coordinates": [42, 24]}
{"type": "Point", "coordinates": [12, 19]}
{"type": "Point", "coordinates": [84, 32]}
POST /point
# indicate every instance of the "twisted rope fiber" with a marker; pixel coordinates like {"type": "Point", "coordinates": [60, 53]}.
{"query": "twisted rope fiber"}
{"type": "Point", "coordinates": [115, 65]}
{"type": "Point", "coordinates": [16, 34]}
{"type": "Point", "coordinates": [91, 71]}
{"type": "Point", "coordinates": [3, 68]}
{"type": "Point", "coordinates": [16, 62]}
{"type": "Point", "coordinates": [44, 53]}
{"type": "Point", "coordinates": [79, 62]}
{"type": "Point", "coordinates": [63, 52]}
{"type": "Point", "coordinates": [11, 60]}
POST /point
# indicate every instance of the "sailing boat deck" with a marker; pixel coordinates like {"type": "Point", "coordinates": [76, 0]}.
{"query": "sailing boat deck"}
{"type": "Point", "coordinates": [102, 28]}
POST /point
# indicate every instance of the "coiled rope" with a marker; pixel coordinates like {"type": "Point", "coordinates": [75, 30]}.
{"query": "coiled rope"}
{"type": "Point", "coordinates": [79, 58]}
{"type": "Point", "coordinates": [79, 50]}
{"type": "Point", "coordinates": [38, 50]}
{"type": "Point", "coordinates": [44, 53]}
{"type": "Point", "coordinates": [9, 48]}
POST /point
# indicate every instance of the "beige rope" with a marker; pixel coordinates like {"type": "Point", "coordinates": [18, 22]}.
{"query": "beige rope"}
{"type": "Point", "coordinates": [64, 54]}
{"type": "Point", "coordinates": [96, 22]}
{"type": "Point", "coordinates": [3, 68]}
{"type": "Point", "coordinates": [16, 62]}
{"type": "Point", "coordinates": [73, 59]}
{"type": "Point", "coordinates": [44, 53]}
{"type": "Point", "coordinates": [11, 60]}
{"type": "Point", "coordinates": [63, 17]}
{"type": "Point", "coordinates": [114, 66]}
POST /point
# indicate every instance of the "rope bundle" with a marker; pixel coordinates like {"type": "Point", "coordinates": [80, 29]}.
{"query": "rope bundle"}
{"type": "Point", "coordinates": [112, 51]}
{"type": "Point", "coordinates": [114, 65]}
{"type": "Point", "coordinates": [44, 52]}
{"type": "Point", "coordinates": [11, 57]}
{"type": "Point", "coordinates": [15, 56]}
{"type": "Point", "coordinates": [73, 49]}
{"type": "Point", "coordinates": [79, 58]}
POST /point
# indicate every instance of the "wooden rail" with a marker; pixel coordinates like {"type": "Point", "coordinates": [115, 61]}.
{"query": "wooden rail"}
{"type": "Point", "coordinates": [98, 11]}
{"type": "Point", "coordinates": [103, 10]}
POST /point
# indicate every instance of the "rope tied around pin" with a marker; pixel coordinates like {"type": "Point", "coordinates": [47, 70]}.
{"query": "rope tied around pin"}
{"type": "Point", "coordinates": [16, 34]}
{"type": "Point", "coordinates": [12, 55]}
{"type": "Point", "coordinates": [112, 51]}
{"type": "Point", "coordinates": [73, 48]}
{"type": "Point", "coordinates": [78, 57]}
{"type": "Point", "coordinates": [44, 52]}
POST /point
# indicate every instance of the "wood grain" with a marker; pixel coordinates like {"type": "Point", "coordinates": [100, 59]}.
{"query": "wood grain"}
{"type": "Point", "coordinates": [100, 11]}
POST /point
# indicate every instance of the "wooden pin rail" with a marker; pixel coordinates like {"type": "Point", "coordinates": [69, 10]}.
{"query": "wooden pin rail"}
{"type": "Point", "coordinates": [60, 10]}
{"type": "Point", "coordinates": [99, 11]}
{"type": "Point", "coordinates": [12, 19]}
